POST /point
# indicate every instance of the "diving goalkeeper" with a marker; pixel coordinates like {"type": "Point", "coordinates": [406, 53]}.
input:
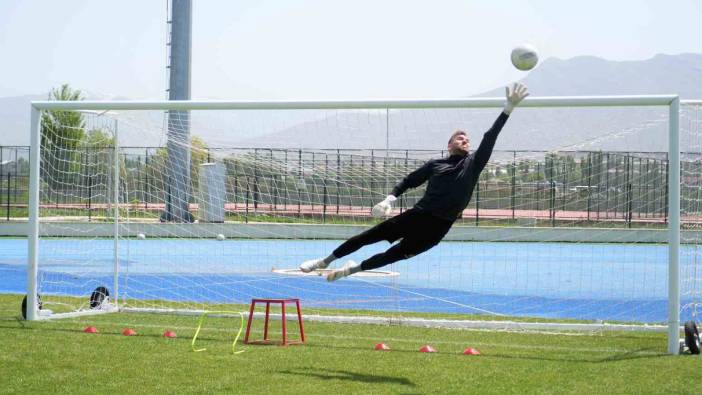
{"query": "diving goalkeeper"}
{"type": "Point", "coordinates": [450, 186]}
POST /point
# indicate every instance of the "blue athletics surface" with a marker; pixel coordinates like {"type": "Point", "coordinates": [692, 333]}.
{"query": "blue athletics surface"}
{"type": "Point", "coordinates": [610, 282]}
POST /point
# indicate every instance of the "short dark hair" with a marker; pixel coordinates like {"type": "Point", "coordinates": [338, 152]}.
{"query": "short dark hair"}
{"type": "Point", "coordinates": [456, 133]}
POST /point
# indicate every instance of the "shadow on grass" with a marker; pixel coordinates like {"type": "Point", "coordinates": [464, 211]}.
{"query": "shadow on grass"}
{"type": "Point", "coordinates": [329, 374]}
{"type": "Point", "coordinates": [641, 353]}
{"type": "Point", "coordinates": [569, 357]}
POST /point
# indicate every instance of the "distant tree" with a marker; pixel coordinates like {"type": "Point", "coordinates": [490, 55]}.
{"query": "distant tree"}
{"type": "Point", "coordinates": [62, 129]}
{"type": "Point", "coordinates": [62, 132]}
{"type": "Point", "coordinates": [98, 146]}
{"type": "Point", "coordinates": [198, 155]}
{"type": "Point", "coordinates": [97, 138]}
{"type": "Point", "coordinates": [551, 165]}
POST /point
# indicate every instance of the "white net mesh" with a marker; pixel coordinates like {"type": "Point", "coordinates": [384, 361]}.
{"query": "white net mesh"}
{"type": "Point", "coordinates": [574, 228]}
{"type": "Point", "coordinates": [691, 211]}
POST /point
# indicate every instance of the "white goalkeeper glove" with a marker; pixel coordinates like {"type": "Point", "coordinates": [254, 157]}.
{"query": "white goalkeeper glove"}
{"type": "Point", "coordinates": [383, 208]}
{"type": "Point", "coordinates": [515, 94]}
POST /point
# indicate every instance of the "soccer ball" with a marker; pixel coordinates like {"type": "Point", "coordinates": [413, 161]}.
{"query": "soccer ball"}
{"type": "Point", "coordinates": [220, 237]}
{"type": "Point", "coordinates": [524, 57]}
{"type": "Point", "coordinates": [141, 236]}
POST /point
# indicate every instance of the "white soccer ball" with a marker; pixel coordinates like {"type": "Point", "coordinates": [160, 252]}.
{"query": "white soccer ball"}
{"type": "Point", "coordinates": [141, 236]}
{"type": "Point", "coordinates": [220, 237]}
{"type": "Point", "coordinates": [524, 57]}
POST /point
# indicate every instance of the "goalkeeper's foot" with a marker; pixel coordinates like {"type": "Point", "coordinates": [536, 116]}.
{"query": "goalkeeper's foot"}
{"type": "Point", "coordinates": [343, 272]}
{"type": "Point", "coordinates": [312, 265]}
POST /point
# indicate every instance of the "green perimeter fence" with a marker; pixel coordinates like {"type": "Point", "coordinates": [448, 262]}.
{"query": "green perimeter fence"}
{"type": "Point", "coordinates": [619, 188]}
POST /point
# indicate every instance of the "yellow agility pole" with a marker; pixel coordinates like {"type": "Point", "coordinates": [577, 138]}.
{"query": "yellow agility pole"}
{"type": "Point", "coordinates": [202, 320]}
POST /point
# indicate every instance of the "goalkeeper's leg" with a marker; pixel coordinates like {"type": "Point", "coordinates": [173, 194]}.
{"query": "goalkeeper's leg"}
{"type": "Point", "coordinates": [420, 233]}
{"type": "Point", "coordinates": [405, 249]}
{"type": "Point", "coordinates": [402, 250]}
{"type": "Point", "coordinates": [385, 230]}
{"type": "Point", "coordinates": [389, 230]}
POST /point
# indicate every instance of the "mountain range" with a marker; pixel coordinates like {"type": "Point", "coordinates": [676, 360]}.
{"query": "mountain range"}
{"type": "Point", "coordinates": [621, 129]}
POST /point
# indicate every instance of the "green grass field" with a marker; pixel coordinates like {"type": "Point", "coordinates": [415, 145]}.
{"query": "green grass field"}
{"type": "Point", "coordinates": [57, 357]}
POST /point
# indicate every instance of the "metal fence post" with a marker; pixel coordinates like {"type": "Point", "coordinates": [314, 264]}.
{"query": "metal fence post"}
{"type": "Point", "coordinates": [338, 175]}
{"type": "Point", "coordinates": [514, 183]}
{"type": "Point", "coordinates": [8, 196]}
{"type": "Point", "coordinates": [324, 188]}
{"type": "Point", "coordinates": [90, 196]}
{"type": "Point", "coordinates": [477, 202]}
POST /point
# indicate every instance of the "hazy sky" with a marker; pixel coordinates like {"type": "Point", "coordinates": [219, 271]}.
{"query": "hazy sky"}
{"type": "Point", "coordinates": [324, 49]}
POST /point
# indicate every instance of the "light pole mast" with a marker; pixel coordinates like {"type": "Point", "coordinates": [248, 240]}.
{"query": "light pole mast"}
{"type": "Point", "coordinates": [178, 190]}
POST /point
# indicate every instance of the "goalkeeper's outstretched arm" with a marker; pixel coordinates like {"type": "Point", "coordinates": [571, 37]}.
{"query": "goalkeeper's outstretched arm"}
{"type": "Point", "coordinates": [413, 180]}
{"type": "Point", "coordinates": [514, 95]}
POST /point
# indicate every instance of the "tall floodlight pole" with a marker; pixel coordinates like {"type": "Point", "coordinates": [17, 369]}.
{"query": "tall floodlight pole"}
{"type": "Point", "coordinates": [178, 169]}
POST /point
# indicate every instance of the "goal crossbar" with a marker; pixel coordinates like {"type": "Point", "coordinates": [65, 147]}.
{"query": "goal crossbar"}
{"type": "Point", "coordinates": [493, 102]}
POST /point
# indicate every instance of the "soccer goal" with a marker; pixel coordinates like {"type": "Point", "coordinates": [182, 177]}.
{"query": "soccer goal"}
{"type": "Point", "coordinates": [188, 206]}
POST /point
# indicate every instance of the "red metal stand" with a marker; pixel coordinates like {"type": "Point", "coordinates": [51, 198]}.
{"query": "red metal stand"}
{"type": "Point", "coordinates": [282, 303]}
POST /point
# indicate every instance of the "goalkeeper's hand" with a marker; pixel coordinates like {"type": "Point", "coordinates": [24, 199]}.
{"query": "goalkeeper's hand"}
{"type": "Point", "coordinates": [383, 208]}
{"type": "Point", "coordinates": [515, 94]}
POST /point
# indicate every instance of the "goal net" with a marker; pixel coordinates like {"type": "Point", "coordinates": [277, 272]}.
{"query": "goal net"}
{"type": "Point", "coordinates": [194, 206]}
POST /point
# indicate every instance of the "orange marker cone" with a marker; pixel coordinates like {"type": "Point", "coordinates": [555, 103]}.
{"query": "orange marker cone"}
{"type": "Point", "coordinates": [427, 348]}
{"type": "Point", "coordinates": [90, 329]}
{"type": "Point", "coordinates": [382, 347]}
{"type": "Point", "coordinates": [129, 332]}
{"type": "Point", "coordinates": [471, 351]}
{"type": "Point", "coordinates": [169, 334]}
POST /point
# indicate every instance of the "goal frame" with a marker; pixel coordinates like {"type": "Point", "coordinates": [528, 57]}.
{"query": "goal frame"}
{"type": "Point", "coordinates": [671, 101]}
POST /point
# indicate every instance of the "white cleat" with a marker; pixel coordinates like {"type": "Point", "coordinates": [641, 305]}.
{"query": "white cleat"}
{"type": "Point", "coordinates": [312, 265]}
{"type": "Point", "coordinates": [343, 272]}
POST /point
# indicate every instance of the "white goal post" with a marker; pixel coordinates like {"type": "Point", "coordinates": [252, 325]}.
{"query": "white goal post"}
{"type": "Point", "coordinates": [672, 102]}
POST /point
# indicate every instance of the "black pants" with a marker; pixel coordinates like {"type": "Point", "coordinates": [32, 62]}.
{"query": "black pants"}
{"type": "Point", "coordinates": [418, 230]}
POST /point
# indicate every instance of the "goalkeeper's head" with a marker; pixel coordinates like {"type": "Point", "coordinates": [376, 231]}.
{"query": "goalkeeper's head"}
{"type": "Point", "coordinates": [459, 143]}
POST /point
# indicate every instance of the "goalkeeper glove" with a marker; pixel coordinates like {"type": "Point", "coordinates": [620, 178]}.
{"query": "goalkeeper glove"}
{"type": "Point", "coordinates": [515, 94]}
{"type": "Point", "coordinates": [384, 207]}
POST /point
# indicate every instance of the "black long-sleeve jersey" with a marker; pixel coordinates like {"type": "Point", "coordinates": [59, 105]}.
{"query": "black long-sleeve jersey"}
{"type": "Point", "coordinates": [452, 179]}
